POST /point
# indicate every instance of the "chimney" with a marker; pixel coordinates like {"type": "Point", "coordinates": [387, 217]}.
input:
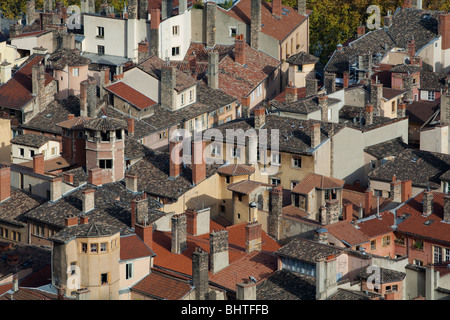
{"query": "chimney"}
{"type": "Point", "coordinates": [5, 182]}
{"type": "Point", "coordinates": [38, 163]}
{"type": "Point", "coordinates": [407, 4]}
{"type": "Point", "coordinates": [260, 117]}
{"type": "Point", "coordinates": [360, 31]}
{"type": "Point", "coordinates": [38, 83]}
{"type": "Point", "coordinates": [88, 200]}
{"type": "Point", "coordinates": [55, 189]}
{"type": "Point", "coordinates": [31, 12]}
{"type": "Point", "coordinates": [88, 98]}
{"type": "Point", "coordinates": [444, 30]}
{"type": "Point", "coordinates": [213, 69]}
{"type": "Point", "coordinates": [145, 232]}
{"type": "Point", "coordinates": [132, 9]}
{"type": "Point", "coordinates": [274, 219]}
{"type": "Point", "coordinates": [84, 219]}
{"type": "Point", "coordinates": [339, 47]}
{"type": "Point", "coordinates": [406, 190]}
{"type": "Point", "coordinates": [193, 65]}
{"type": "Point", "coordinates": [191, 221]}
{"type": "Point", "coordinates": [315, 135]}
{"type": "Point", "coordinates": [176, 158]}
{"type": "Point", "coordinates": [139, 210]}
{"type": "Point", "coordinates": [143, 10]}
{"type": "Point", "coordinates": [48, 5]}
{"type": "Point", "coordinates": [71, 220]}
{"type": "Point", "coordinates": [411, 50]}
{"type": "Point", "coordinates": [345, 79]}
{"type": "Point", "coordinates": [178, 233]}
{"type": "Point", "coordinates": [198, 161]}
{"type": "Point", "coordinates": [276, 8]}
{"type": "Point", "coordinates": [131, 182]}
{"type": "Point", "coordinates": [427, 203]}
{"type": "Point", "coordinates": [333, 211]}
{"type": "Point", "coordinates": [200, 276]}
{"type": "Point", "coordinates": [218, 249]}
{"type": "Point", "coordinates": [210, 12]}
{"type": "Point", "coordinates": [291, 93]}
{"type": "Point", "coordinates": [5, 71]}
{"type": "Point", "coordinates": [301, 7]}
{"type": "Point", "coordinates": [68, 177]}
{"type": "Point", "coordinates": [368, 114]}
{"type": "Point", "coordinates": [446, 215]}
{"type": "Point", "coordinates": [321, 235]}
{"type": "Point", "coordinates": [395, 187]}
{"type": "Point", "coordinates": [311, 86]}
{"type": "Point", "coordinates": [246, 290]}
{"type": "Point", "coordinates": [323, 104]}
{"type": "Point", "coordinates": [95, 176]}
{"type": "Point", "coordinates": [166, 9]}
{"type": "Point", "coordinates": [368, 196]}
{"type": "Point", "coordinates": [15, 30]}
{"type": "Point", "coordinates": [245, 105]}
{"type": "Point", "coordinates": [168, 83]}
{"type": "Point", "coordinates": [255, 23]}
{"type": "Point", "coordinates": [348, 211]}
{"type": "Point", "coordinates": [253, 236]}
{"type": "Point", "coordinates": [407, 81]}
{"type": "Point", "coordinates": [143, 51]}
{"type": "Point", "coordinates": [330, 82]}
{"type": "Point", "coordinates": [239, 49]}
{"type": "Point", "coordinates": [130, 126]}
{"type": "Point", "coordinates": [155, 20]}
{"type": "Point", "coordinates": [387, 22]}
{"type": "Point", "coordinates": [376, 94]}
{"type": "Point", "coordinates": [15, 286]}
{"type": "Point", "coordinates": [401, 110]}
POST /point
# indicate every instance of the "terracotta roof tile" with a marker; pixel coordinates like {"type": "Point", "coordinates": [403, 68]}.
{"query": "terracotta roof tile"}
{"type": "Point", "coordinates": [74, 123]}
{"type": "Point", "coordinates": [5, 287]}
{"type": "Point", "coordinates": [291, 210]}
{"type": "Point", "coordinates": [374, 226]}
{"type": "Point", "coordinates": [245, 186]}
{"type": "Point", "coordinates": [132, 247]}
{"type": "Point", "coordinates": [317, 181]}
{"type": "Point", "coordinates": [236, 170]}
{"type": "Point", "coordinates": [127, 93]}
{"type": "Point", "coordinates": [160, 286]}
{"type": "Point", "coordinates": [346, 232]}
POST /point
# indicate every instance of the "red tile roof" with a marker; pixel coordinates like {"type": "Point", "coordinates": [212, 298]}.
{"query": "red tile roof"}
{"type": "Point", "coordinates": [313, 180]}
{"type": "Point", "coordinates": [373, 226]}
{"type": "Point", "coordinates": [5, 287]}
{"type": "Point", "coordinates": [127, 93]}
{"type": "Point", "coordinates": [31, 34]}
{"type": "Point", "coordinates": [293, 211]}
{"type": "Point", "coordinates": [245, 186]}
{"type": "Point", "coordinates": [358, 197]}
{"type": "Point", "coordinates": [38, 278]}
{"type": "Point", "coordinates": [160, 286]}
{"type": "Point", "coordinates": [132, 247]}
{"type": "Point", "coordinates": [17, 92]}
{"type": "Point", "coordinates": [346, 232]}
{"type": "Point", "coordinates": [236, 170]}
{"type": "Point", "coordinates": [74, 123]}
{"type": "Point", "coordinates": [301, 93]}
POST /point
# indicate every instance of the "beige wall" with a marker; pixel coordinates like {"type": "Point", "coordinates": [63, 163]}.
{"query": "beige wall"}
{"type": "Point", "coordinates": [49, 149]}
{"type": "Point", "coordinates": [144, 83]}
{"type": "Point", "coordinates": [5, 138]}
{"type": "Point", "coordinates": [434, 139]}
{"type": "Point", "coordinates": [141, 268]}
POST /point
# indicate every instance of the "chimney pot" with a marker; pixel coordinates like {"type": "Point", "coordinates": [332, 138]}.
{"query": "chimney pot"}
{"type": "Point", "coordinates": [276, 8]}
{"type": "Point", "coordinates": [239, 49]}
{"type": "Point", "coordinates": [95, 176]}
{"type": "Point", "coordinates": [198, 161]}
{"type": "Point", "coordinates": [130, 126]}
{"type": "Point", "coordinates": [260, 117]}
{"type": "Point", "coordinates": [38, 163]}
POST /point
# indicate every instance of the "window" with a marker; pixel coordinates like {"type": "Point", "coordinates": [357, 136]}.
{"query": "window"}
{"type": "Point", "coordinates": [297, 162]}
{"type": "Point", "coordinates": [240, 197]}
{"type": "Point", "coordinates": [437, 254]}
{"type": "Point", "coordinates": [175, 51]}
{"type": "Point", "coordinates": [276, 158]}
{"type": "Point", "coordinates": [299, 68]}
{"type": "Point", "coordinates": [430, 95]}
{"type": "Point", "coordinates": [275, 181]}
{"type": "Point", "coordinates": [176, 30]}
{"type": "Point", "coordinates": [236, 153]}
{"type": "Point", "coordinates": [182, 99]}
{"type": "Point", "coordinates": [228, 108]}
{"type": "Point", "coordinates": [103, 247]}
{"type": "Point", "coordinates": [373, 244]}
{"type": "Point", "coordinates": [297, 200]}
{"type": "Point", "coordinates": [393, 107]}
{"type": "Point", "coordinates": [191, 95]}
{"type": "Point", "coordinates": [215, 150]}
{"type": "Point", "coordinates": [53, 151]}
{"type": "Point", "coordinates": [293, 184]}
{"type": "Point", "coordinates": [22, 152]}
{"type": "Point", "coordinates": [162, 135]}
{"type": "Point", "coordinates": [119, 134]}
{"type": "Point", "coordinates": [31, 153]}
{"type": "Point", "coordinates": [447, 254]}
{"type": "Point", "coordinates": [233, 32]}
{"type": "Point", "coordinates": [84, 247]}
{"type": "Point", "coordinates": [101, 50]}
{"type": "Point", "coordinates": [105, 163]}
{"type": "Point", "coordinates": [418, 262]}
{"type": "Point", "coordinates": [299, 266]}
{"type": "Point", "coordinates": [104, 135]}
{"type": "Point", "coordinates": [76, 72]}
{"type": "Point", "coordinates": [129, 271]}
{"type": "Point", "coordinates": [418, 244]}
{"type": "Point", "coordinates": [400, 240]}
{"type": "Point", "coordinates": [386, 240]}
{"type": "Point", "coordinates": [100, 32]}
{"type": "Point", "coordinates": [94, 247]}
{"type": "Point", "coordinates": [104, 278]}
{"type": "Point", "coordinates": [228, 179]}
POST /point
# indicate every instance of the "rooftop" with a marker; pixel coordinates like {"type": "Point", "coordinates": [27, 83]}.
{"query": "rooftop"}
{"type": "Point", "coordinates": [19, 203]}
{"type": "Point", "coordinates": [246, 186]}
{"type": "Point", "coordinates": [386, 149]}
{"type": "Point", "coordinates": [302, 58]}
{"type": "Point", "coordinates": [316, 181]}
{"type": "Point", "coordinates": [132, 247]}
{"type": "Point", "coordinates": [130, 95]}
{"type": "Point", "coordinates": [287, 285]}
{"type": "Point", "coordinates": [347, 233]}
{"type": "Point", "coordinates": [308, 250]}
{"type": "Point", "coordinates": [64, 57]}
{"type": "Point", "coordinates": [303, 105]}
{"type": "Point", "coordinates": [31, 140]}
{"type": "Point", "coordinates": [105, 123]}
{"type": "Point", "coordinates": [236, 170]}
{"type": "Point", "coordinates": [386, 275]}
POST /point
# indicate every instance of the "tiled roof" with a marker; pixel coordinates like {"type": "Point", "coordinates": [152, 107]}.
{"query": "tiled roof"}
{"type": "Point", "coordinates": [31, 34]}
{"type": "Point", "coordinates": [433, 81]}
{"type": "Point", "coordinates": [16, 93]}
{"type": "Point", "coordinates": [303, 105]}
{"type": "Point", "coordinates": [293, 211]}
{"type": "Point", "coordinates": [422, 167]}
{"type": "Point", "coordinates": [308, 250]}
{"type": "Point", "coordinates": [389, 93]}
{"type": "Point", "coordinates": [357, 198]}
{"type": "Point", "coordinates": [374, 225]}
{"type": "Point", "coordinates": [421, 111]}
{"type": "Point", "coordinates": [39, 278]}
{"type": "Point", "coordinates": [350, 113]}
{"type": "Point", "coordinates": [31, 140]}
{"type": "Point", "coordinates": [74, 123]}
{"type": "Point", "coordinates": [346, 294]}
{"type": "Point", "coordinates": [287, 285]}
{"type": "Point", "coordinates": [281, 98]}
{"type": "Point", "coordinates": [236, 170]}
{"type": "Point", "coordinates": [88, 230]}
{"type": "Point", "coordinates": [347, 233]}
{"type": "Point", "coordinates": [132, 247]}
{"type": "Point", "coordinates": [386, 275]}
{"type": "Point", "coordinates": [414, 223]}
{"type": "Point", "coordinates": [245, 186]}
{"type": "Point", "coordinates": [79, 176]}
{"type": "Point", "coordinates": [405, 68]}
{"type": "Point", "coordinates": [66, 57]}
{"type": "Point", "coordinates": [127, 93]}
{"type": "Point", "coordinates": [301, 58]}
{"type": "Point", "coordinates": [163, 287]}
{"type": "Point", "coordinates": [30, 294]}
{"type": "Point", "coordinates": [5, 287]}
{"type": "Point", "coordinates": [271, 26]}
{"type": "Point", "coordinates": [317, 181]}
{"type": "Point", "coordinates": [50, 165]}
{"type": "Point", "coordinates": [20, 202]}
{"type": "Point", "coordinates": [105, 123]}
{"type": "Point", "coordinates": [386, 149]}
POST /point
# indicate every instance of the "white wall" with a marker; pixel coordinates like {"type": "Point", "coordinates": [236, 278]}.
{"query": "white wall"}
{"type": "Point", "coordinates": [169, 40]}
{"type": "Point", "coordinates": [144, 83]}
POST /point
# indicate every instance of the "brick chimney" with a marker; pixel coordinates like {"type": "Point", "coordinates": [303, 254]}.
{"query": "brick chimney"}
{"type": "Point", "coordinates": [239, 49]}
{"type": "Point", "coordinates": [210, 12]}
{"type": "Point", "coordinates": [191, 221]}
{"type": "Point", "coordinates": [245, 105]}
{"type": "Point", "coordinates": [401, 110]}
{"type": "Point", "coordinates": [178, 233]}
{"type": "Point", "coordinates": [315, 135]}
{"type": "Point", "coordinates": [427, 203]}
{"type": "Point", "coordinates": [71, 220]}
{"type": "Point", "coordinates": [406, 190]}
{"type": "Point", "coordinates": [139, 210]}
{"type": "Point", "coordinates": [276, 8]}
{"type": "Point", "coordinates": [396, 189]}
{"type": "Point", "coordinates": [198, 161]}
{"type": "Point", "coordinates": [368, 203]}
{"type": "Point", "coordinates": [143, 51]}
{"type": "Point", "coordinates": [200, 275]}
{"type": "Point", "coordinates": [260, 117]}
{"type": "Point", "coordinates": [444, 30]}
{"type": "Point", "coordinates": [38, 163]}
{"type": "Point", "coordinates": [330, 82]}
{"type": "Point", "coordinates": [253, 236]}
{"type": "Point", "coordinates": [175, 158]}
{"type": "Point", "coordinates": [321, 235]}
{"type": "Point", "coordinates": [323, 105]}
{"type": "Point", "coordinates": [274, 219]}
{"type": "Point", "coordinates": [5, 182]}
{"type": "Point", "coordinates": [130, 126]}
{"type": "Point", "coordinates": [411, 50]}
{"type": "Point", "coordinates": [68, 177]}
{"type": "Point", "coordinates": [368, 114]}
{"type": "Point", "coordinates": [213, 69]}
{"type": "Point", "coordinates": [360, 31]}
{"type": "Point", "coordinates": [88, 200]}
{"type": "Point", "coordinates": [255, 23]}
{"type": "Point", "coordinates": [446, 215]}
{"type": "Point", "coordinates": [95, 176]}
{"type": "Point", "coordinates": [168, 83]}
{"type": "Point", "coordinates": [55, 189]}
{"type": "Point", "coordinates": [155, 20]}
{"type": "Point", "coordinates": [348, 211]}
{"type": "Point", "coordinates": [218, 249]}
{"type": "Point", "coordinates": [311, 86]}
{"type": "Point", "coordinates": [345, 79]}
{"type": "Point", "coordinates": [291, 93]}
{"type": "Point", "coordinates": [145, 232]}
{"type": "Point", "coordinates": [84, 219]}
{"type": "Point", "coordinates": [131, 182]}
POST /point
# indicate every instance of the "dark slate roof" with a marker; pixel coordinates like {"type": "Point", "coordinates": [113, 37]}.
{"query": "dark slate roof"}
{"type": "Point", "coordinates": [287, 285]}
{"type": "Point", "coordinates": [19, 203]}
{"type": "Point", "coordinates": [294, 134]}
{"type": "Point", "coordinates": [31, 140]}
{"type": "Point", "coordinates": [421, 111]}
{"type": "Point", "coordinates": [112, 207]}
{"type": "Point", "coordinates": [65, 57]}
{"type": "Point", "coordinates": [433, 81]}
{"type": "Point", "coordinates": [386, 275]}
{"type": "Point", "coordinates": [307, 250]}
{"type": "Point", "coordinates": [302, 58]}
{"type": "Point", "coordinates": [105, 123]}
{"type": "Point", "coordinates": [347, 294]}
{"type": "Point", "coordinates": [55, 112]}
{"type": "Point", "coordinates": [302, 106]}
{"type": "Point", "coordinates": [154, 179]}
{"type": "Point", "coordinates": [347, 114]}
{"type": "Point", "coordinates": [422, 167]}
{"type": "Point", "coordinates": [79, 176]}
{"type": "Point", "coordinates": [405, 68]}
{"type": "Point", "coordinates": [388, 148]}
{"type": "Point", "coordinates": [389, 93]}
{"type": "Point", "coordinates": [85, 231]}
{"type": "Point", "coordinates": [134, 149]}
